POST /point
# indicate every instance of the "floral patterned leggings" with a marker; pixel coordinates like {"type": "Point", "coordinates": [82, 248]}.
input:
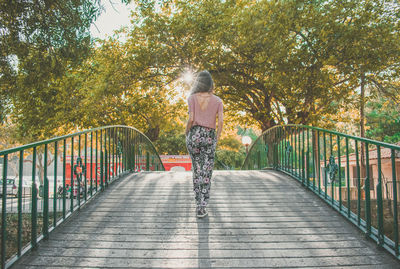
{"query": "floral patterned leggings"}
{"type": "Point", "coordinates": [201, 142]}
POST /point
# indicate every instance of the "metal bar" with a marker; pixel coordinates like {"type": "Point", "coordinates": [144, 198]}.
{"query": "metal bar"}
{"type": "Point", "coordinates": [147, 161]}
{"type": "Point", "coordinates": [72, 175]}
{"type": "Point", "coordinates": [319, 164]}
{"type": "Point", "coordinates": [332, 181]}
{"type": "Point", "coordinates": [292, 158]}
{"type": "Point", "coordinates": [325, 172]}
{"type": "Point", "coordinates": [55, 184]}
{"type": "Point", "coordinates": [113, 154]}
{"type": "Point", "coordinates": [106, 157]}
{"type": "Point", "coordinates": [358, 186]}
{"type": "Point", "coordinates": [101, 162]}
{"type": "Point", "coordinates": [105, 165]}
{"type": "Point", "coordinates": [125, 150]}
{"type": "Point", "coordinates": [79, 177]}
{"type": "Point", "coordinates": [64, 172]}
{"type": "Point", "coordinates": [379, 199]}
{"type": "Point", "coordinates": [20, 178]}
{"type": "Point", "coordinates": [395, 223]}
{"type": "Point", "coordinates": [45, 196]}
{"type": "Point", "coordinates": [313, 158]}
{"type": "Point", "coordinates": [308, 159]}
{"type": "Point", "coordinates": [91, 164]}
{"type": "Point", "coordinates": [295, 151]}
{"type": "Point", "coordinates": [284, 145]}
{"type": "Point", "coordinates": [109, 155]}
{"type": "Point", "coordinates": [97, 150]}
{"type": "Point", "coordinates": [34, 202]}
{"type": "Point", "coordinates": [128, 152]}
{"type": "Point", "coordinates": [340, 173]}
{"type": "Point", "coordinates": [367, 192]}
{"type": "Point", "coordinates": [348, 178]}
{"type": "Point", "coordinates": [4, 213]}
{"type": "Point", "coordinates": [85, 169]}
{"type": "Point", "coordinates": [303, 159]}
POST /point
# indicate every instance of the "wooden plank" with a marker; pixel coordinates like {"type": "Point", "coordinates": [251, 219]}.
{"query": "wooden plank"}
{"type": "Point", "coordinates": [256, 219]}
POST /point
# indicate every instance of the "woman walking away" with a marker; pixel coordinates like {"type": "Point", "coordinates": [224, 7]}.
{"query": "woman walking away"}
{"type": "Point", "coordinates": [201, 138]}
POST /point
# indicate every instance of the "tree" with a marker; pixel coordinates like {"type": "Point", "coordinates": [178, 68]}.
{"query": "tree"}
{"type": "Point", "coordinates": [273, 62]}
{"type": "Point", "coordinates": [39, 42]}
{"type": "Point", "coordinates": [383, 120]}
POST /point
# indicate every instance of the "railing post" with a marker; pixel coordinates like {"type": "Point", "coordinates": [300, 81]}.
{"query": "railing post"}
{"type": "Point", "coordinates": [4, 214]}
{"type": "Point", "coordinates": [106, 168]}
{"type": "Point", "coordinates": [308, 158]}
{"type": "Point", "coordinates": [21, 173]}
{"type": "Point", "coordinates": [85, 170]}
{"type": "Point", "coordinates": [395, 223]}
{"type": "Point", "coordinates": [64, 172]}
{"type": "Point", "coordinates": [339, 173]}
{"type": "Point", "coordinates": [379, 199]}
{"type": "Point", "coordinates": [34, 202]}
{"type": "Point", "coordinates": [55, 198]}
{"type": "Point", "coordinates": [72, 176]}
{"type": "Point", "coordinates": [367, 193]}
{"type": "Point", "coordinates": [303, 159]}
{"type": "Point", "coordinates": [348, 178]}
{"type": "Point", "coordinates": [133, 158]}
{"type": "Point", "coordinates": [45, 197]}
{"type": "Point", "coordinates": [147, 161]}
{"type": "Point", "coordinates": [101, 171]}
{"type": "Point", "coordinates": [319, 164]}
{"type": "Point", "coordinates": [358, 186]}
{"type": "Point", "coordinates": [325, 172]}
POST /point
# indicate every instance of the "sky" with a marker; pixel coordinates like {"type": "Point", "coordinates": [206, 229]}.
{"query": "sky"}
{"type": "Point", "coordinates": [113, 17]}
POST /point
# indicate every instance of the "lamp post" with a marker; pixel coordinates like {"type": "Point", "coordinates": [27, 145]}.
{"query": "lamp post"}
{"type": "Point", "coordinates": [246, 141]}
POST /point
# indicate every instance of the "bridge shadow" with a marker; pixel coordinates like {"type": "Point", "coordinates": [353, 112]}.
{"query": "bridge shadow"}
{"type": "Point", "coordinates": [203, 251]}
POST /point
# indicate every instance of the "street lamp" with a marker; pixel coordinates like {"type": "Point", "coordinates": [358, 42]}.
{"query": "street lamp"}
{"type": "Point", "coordinates": [246, 141]}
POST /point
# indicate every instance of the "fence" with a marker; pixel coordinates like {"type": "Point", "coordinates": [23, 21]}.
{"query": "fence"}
{"type": "Point", "coordinates": [43, 183]}
{"type": "Point", "coordinates": [358, 177]}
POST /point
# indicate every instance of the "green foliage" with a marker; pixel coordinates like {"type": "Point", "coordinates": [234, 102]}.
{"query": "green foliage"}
{"type": "Point", "coordinates": [172, 142]}
{"type": "Point", "coordinates": [229, 159]}
{"type": "Point", "coordinates": [40, 42]}
{"type": "Point", "coordinates": [273, 61]}
{"type": "Point", "coordinates": [383, 120]}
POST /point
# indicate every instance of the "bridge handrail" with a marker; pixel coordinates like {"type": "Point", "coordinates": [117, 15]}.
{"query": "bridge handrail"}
{"type": "Point", "coordinates": [311, 154]}
{"type": "Point", "coordinates": [97, 157]}
{"type": "Point", "coordinates": [361, 139]}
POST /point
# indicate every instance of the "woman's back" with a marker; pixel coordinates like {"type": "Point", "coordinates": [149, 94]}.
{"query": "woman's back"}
{"type": "Point", "coordinates": [205, 108]}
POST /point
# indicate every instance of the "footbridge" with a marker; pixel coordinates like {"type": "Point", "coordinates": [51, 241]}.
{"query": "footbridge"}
{"type": "Point", "coordinates": [305, 198]}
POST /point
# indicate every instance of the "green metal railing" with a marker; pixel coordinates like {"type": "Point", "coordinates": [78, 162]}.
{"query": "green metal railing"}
{"type": "Point", "coordinates": [358, 177]}
{"type": "Point", "coordinates": [43, 183]}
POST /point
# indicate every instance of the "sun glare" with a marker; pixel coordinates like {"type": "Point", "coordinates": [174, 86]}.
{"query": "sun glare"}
{"type": "Point", "coordinates": [187, 77]}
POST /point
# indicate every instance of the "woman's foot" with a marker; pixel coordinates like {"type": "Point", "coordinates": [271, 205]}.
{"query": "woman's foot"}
{"type": "Point", "coordinates": [201, 212]}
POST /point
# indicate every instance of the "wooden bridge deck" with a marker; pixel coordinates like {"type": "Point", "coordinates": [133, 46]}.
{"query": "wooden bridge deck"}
{"type": "Point", "coordinates": [257, 219]}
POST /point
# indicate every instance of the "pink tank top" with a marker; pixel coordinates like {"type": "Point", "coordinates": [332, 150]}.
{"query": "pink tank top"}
{"type": "Point", "coordinates": [208, 116]}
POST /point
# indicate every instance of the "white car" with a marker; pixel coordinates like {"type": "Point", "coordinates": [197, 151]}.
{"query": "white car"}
{"type": "Point", "coordinates": [12, 188]}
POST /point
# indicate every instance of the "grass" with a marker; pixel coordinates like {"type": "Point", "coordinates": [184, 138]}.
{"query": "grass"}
{"type": "Point", "coordinates": [12, 230]}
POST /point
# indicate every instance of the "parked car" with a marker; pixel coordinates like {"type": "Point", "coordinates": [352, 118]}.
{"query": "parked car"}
{"type": "Point", "coordinates": [12, 188]}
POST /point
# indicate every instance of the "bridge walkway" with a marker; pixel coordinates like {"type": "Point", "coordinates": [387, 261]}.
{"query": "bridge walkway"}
{"type": "Point", "coordinates": [257, 219]}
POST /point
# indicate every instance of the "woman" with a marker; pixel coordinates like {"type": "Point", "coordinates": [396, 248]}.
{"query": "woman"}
{"type": "Point", "coordinates": [201, 137]}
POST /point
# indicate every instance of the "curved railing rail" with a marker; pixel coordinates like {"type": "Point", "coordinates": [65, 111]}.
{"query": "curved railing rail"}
{"type": "Point", "coordinates": [43, 183]}
{"type": "Point", "coordinates": [359, 177]}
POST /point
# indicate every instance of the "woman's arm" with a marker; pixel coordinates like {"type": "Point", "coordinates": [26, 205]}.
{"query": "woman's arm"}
{"type": "Point", "coordinates": [189, 123]}
{"type": "Point", "coordinates": [220, 125]}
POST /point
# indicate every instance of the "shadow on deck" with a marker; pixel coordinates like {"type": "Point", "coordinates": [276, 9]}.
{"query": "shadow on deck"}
{"type": "Point", "coordinates": [256, 219]}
